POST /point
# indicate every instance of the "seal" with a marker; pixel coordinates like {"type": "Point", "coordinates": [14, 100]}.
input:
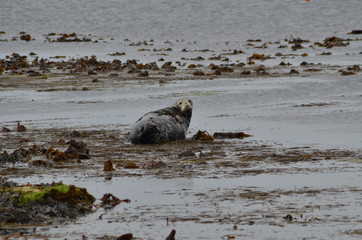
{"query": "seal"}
{"type": "Point", "coordinates": [163, 125]}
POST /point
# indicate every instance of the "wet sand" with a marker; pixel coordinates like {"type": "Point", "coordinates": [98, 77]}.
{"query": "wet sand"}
{"type": "Point", "coordinates": [297, 176]}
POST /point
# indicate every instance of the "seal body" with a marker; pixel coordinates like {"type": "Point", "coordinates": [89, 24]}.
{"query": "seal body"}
{"type": "Point", "coordinates": [167, 124]}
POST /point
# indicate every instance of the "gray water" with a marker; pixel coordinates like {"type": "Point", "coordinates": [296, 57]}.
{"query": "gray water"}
{"type": "Point", "coordinates": [205, 20]}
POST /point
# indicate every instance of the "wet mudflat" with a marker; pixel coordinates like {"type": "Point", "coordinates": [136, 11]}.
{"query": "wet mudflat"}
{"type": "Point", "coordinates": [298, 175]}
{"type": "Point", "coordinates": [210, 189]}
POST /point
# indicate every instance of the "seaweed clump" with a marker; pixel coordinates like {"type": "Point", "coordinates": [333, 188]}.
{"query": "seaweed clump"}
{"type": "Point", "coordinates": [43, 203]}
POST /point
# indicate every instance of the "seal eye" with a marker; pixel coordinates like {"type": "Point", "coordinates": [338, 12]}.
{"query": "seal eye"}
{"type": "Point", "coordinates": [179, 103]}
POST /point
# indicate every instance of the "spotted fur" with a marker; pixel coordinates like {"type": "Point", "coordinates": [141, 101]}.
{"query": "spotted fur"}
{"type": "Point", "coordinates": [167, 124]}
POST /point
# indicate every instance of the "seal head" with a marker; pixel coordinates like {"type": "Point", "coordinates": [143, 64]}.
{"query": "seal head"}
{"type": "Point", "coordinates": [163, 125]}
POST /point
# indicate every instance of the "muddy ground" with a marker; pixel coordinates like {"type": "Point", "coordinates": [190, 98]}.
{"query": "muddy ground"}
{"type": "Point", "coordinates": [231, 188]}
{"type": "Point", "coordinates": [235, 207]}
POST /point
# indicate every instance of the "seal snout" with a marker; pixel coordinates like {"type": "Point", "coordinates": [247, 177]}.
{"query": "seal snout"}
{"type": "Point", "coordinates": [184, 104]}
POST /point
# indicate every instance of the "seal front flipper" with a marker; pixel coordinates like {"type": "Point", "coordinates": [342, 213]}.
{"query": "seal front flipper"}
{"type": "Point", "coordinates": [179, 119]}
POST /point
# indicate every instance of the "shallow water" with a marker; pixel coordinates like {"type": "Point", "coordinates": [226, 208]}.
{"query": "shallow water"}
{"type": "Point", "coordinates": [209, 21]}
{"type": "Point", "coordinates": [266, 107]}
{"type": "Point", "coordinates": [210, 207]}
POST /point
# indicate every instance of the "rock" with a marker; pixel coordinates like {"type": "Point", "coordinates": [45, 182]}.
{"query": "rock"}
{"type": "Point", "coordinates": [297, 41]}
{"type": "Point", "coordinates": [346, 73]}
{"type": "Point", "coordinates": [5, 129]}
{"type": "Point", "coordinates": [297, 46]}
{"type": "Point", "coordinates": [38, 163]}
{"type": "Point", "coordinates": [355, 68]}
{"type": "Point", "coordinates": [74, 133]}
{"type": "Point", "coordinates": [225, 69]}
{"type": "Point", "coordinates": [77, 150]}
{"type": "Point", "coordinates": [334, 42]}
{"type": "Point", "coordinates": [217, 72]}
{"type": "Point", "coordinates": [246, 72]}
{"type": "Point", "coordinates": [133, 70]}
{"type": "Point", "coordinates": [305, 63]}
{"type": "Point", "coordinates": [355, 32]}
{"type": "Point", "coordinates": [110, 201]}
{"type": "Point", "coordinates": [293, 71]}
{"type": "Point", "coordinates": [172, 234]}
{"type": "Point", "coordinates": [131, 165]}
{"type": "Point", "coordinates": [213, 66]}
{"type": "Point", "coordinates": [288, 217]}
{"type": "Point", "coordinates": [143, 74]}
{"type": "Point", "coordinates": [258, 56]}
{"type": "Point", "coordinates": [117, 54]}
{"type": "Point", "coordinates": [154, 165]}
{"type": "Point", "coordinates": [127, 236]}
{"type": "Point", "coordinates": [4, 157]}
{"type": "Point", "coordinates": [325, 53]}
{"type": "Point", "coordinates": [43, 203]}
{"type": "Point", "coordinates": [261, 71]}
{"type": "Point", "coordinates": [282, 63]}
{"type": "Point", "coordinates": [199, 58]}
{"type": "Point", "coordinates": [166, 65]}
{"type": "Point", "coordinates": [187, 153]}
{"type": "Point", "coordinates": [25, 37]}
{"type": "Point", "coordinates": [198, 73]}
{"type": "Point", "coordinates": [18, 155]}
